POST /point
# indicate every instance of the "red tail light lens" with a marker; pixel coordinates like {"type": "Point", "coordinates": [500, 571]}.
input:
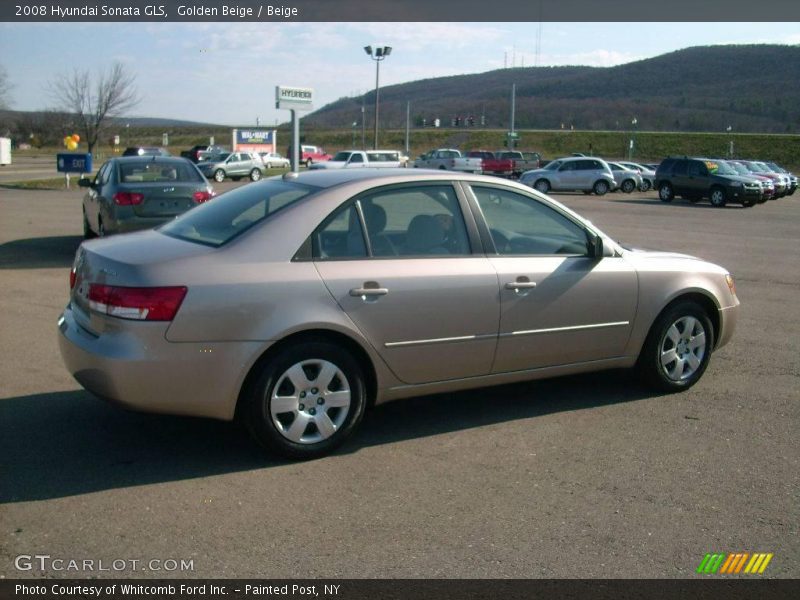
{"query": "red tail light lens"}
{"type": "Point", "coordinates": [138, 303]}
{"type": "Point", "coordinates": [72, 277]}
{"type": "Point", "coordinates": [201, 197]}
{"type": "Point", "coordinates": [128, 198]}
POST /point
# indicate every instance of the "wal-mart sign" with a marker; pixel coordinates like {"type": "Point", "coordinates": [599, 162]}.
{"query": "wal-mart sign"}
{"type": "Point", "coordinates": [293, 98]}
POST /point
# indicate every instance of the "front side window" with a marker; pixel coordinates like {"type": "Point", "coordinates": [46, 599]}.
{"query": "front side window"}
{"type": "Point", "coordinates": [220, 220]}
{"type": "Point", "coordinates": [404, 221]}
{"type": "Point", "coordinates": [521, 225]}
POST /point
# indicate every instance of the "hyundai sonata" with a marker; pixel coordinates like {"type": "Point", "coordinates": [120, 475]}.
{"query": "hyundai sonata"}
{"type": "Point", "coordinates": [295, 302]}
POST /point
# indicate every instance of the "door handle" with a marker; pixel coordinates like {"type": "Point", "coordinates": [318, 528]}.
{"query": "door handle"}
{"type": "Point", "coordinates": [369, 288]}
{"type": "Point", "coordinates": [520, 285]}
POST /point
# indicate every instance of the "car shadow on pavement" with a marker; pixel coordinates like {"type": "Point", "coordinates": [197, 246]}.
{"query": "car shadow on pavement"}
{"type": "Point", "coordinates": [675, 203]}
{"type": "Point", "coordinates": [67, 443]}
{"type": "Point", "coordinates": [40, 253]}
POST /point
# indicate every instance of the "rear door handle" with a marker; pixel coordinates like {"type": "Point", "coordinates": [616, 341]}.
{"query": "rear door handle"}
{"type": "Point", "coordinates": [520, 285]}
{"type": "Point", "coordinates": [369, 289]}
{"type": "Point", "coordinates": [369, 292]}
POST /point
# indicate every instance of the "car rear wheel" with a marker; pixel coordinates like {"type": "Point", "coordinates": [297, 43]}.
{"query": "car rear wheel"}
{"type": "Point", "coordinates": [255, 175]}
{"type": "Point", "coordinates": [718, 197]}
{"type": "Point", "coordinates": [542, 185]}
{"type": "Point", "coordinates": [307, 400]}
{"type": "Point", "coordinates": [219, 175]}
{"type": "Point", "coordinates": [600, 187]}
{"type": "Point", "coordinates": [677, 349]}
{"type": "Point", "coordinates": [628, 186]}
{"type": "Point", "coordinates": [665, 192]}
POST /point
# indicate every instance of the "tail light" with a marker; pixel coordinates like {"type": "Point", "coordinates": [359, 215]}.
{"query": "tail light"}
{"type": "Point", "coordinates": [128, 198]}
{"type": "Point", "coordinates": [73, 275]}
{"type": "Point", "coordinates": [201, 197]}
{"type": "Point", "coordinates": [138, 303]}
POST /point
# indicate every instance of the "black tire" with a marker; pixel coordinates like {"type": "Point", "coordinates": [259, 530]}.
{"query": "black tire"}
{"type": "Point", "coordinates": [101, 228]}
{"type": "Point", "coordinates": [679, 374]}
{"type": "Point", "coordinates": [718, 197]}
{"type": "Point", "coordinates": [542, 185]}
{"type": "Point", "coordinates": [628, 186]}
{"type": "Point", "coordinates": [442, 168]}
{"type": "Point", "coordinates": [601, 187]}
{"type": "Point", "coordinates": [274, 432]}
{"type": "Point", "coordinates": [88, 234]}
{"type": "Point", "coordinates": [665, 192]}
{"type": "Point", "coordinates": [219, 175]}
{"type": "Point", "coordinates": [255, 175]}
{"type": "Point", "coordinates": [645, 186]}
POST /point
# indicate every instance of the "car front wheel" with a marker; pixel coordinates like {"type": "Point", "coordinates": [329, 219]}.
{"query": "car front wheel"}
{"type": "Point", "coordinates": [718, 197]}
{"type": "Point", "coordinates": [677, 349]}
{"type": "Point", "coordinates": [255, 175]}
{"type": "Point", "coordinates": [628, 186]}
{"type": "Point", "coordinates": [307, 401]}
{"type": "Point", "coordinates": [542, 185]}
{"type": "Point", "coordinates": [219, 175]}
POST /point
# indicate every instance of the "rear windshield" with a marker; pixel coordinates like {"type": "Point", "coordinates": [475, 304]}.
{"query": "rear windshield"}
{"type": "Point", "coordinates": [220, 220]}
{"type": "Point", "coordinates": [150, 171]}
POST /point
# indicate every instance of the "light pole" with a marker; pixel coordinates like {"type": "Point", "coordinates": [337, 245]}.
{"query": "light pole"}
{"type": "Point", "coordinates": [634, 122]}
{"type": "Point", "coordinates": [377, 54]}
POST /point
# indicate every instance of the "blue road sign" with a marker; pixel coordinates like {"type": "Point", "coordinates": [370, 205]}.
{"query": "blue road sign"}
{"type": "Point", "coordinates": [74, 163]}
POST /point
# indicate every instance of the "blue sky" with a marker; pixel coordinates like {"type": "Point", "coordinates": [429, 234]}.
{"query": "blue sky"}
{"type": "Point", "coordinates": [227, 72]}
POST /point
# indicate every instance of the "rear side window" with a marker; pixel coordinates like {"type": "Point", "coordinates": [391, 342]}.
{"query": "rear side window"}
{"type": "Point", "coordinates": [220, 220]}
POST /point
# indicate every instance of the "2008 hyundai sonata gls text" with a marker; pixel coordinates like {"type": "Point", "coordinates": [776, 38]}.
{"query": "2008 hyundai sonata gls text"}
{"type": "Point", "coordinates": [295, 302]}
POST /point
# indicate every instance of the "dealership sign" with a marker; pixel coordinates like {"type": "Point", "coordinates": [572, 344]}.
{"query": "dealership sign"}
{"type": "Point", "coordinates": [293, 98]}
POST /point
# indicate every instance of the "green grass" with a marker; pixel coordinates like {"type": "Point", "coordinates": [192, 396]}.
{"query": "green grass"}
{"type": "Point", "coordinates": [55, 183]}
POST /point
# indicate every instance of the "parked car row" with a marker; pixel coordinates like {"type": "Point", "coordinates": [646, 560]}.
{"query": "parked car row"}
{"type": "Point", "coordinates": [744, 182]}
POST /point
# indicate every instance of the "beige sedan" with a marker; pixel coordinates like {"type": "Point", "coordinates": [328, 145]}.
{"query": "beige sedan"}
{"type": "Point", "coordinates": [295, 302]}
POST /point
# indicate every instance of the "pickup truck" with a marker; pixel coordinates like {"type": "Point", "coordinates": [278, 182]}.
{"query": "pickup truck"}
{"type": "Point", "coordinates": [348, 159]}
{"type": "Point", "coordinates": [523, 161]}
{"type": "Point", "coordinates": [199, 153]}
{"type": "Point", "coordinates": [493, 164]}
{"type": "Point", "coordinates": [448, 159]}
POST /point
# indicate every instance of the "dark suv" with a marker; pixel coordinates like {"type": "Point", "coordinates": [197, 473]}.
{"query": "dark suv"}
{"type": "Point", "coordinates": [697, 178]}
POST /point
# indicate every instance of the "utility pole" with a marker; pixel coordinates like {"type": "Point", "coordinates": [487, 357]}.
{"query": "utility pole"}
{"type": "Point", "coordinates": [408, 124]}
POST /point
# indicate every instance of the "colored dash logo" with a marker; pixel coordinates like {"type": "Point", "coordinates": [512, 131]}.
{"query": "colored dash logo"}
{"type": "Point", "coordinates": [734, 563]}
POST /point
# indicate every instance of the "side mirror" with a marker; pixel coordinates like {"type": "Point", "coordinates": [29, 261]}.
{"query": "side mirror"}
{"type": "Point", "coordinates": [594, 245]}
{"type": "Point", "coordinates": [84, 182]}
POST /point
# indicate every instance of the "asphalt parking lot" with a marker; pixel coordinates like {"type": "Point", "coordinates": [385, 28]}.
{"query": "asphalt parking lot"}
{"type": "Point", "coordinates": [589, 476]}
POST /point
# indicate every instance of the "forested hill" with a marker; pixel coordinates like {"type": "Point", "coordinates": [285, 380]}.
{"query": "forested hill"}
{"type": "Point", "coordinates": [751, 88]}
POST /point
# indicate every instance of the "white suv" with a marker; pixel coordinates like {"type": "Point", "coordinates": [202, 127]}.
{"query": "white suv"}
{"type": "Point", "coordinates": [582, 173]}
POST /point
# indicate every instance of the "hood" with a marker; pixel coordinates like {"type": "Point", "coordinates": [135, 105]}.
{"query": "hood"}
{"type": "Point", "coordinates": [656, 254]}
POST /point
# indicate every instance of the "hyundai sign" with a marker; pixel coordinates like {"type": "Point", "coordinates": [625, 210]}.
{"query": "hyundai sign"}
{"type": "Point", "coordinates": [293, 98]}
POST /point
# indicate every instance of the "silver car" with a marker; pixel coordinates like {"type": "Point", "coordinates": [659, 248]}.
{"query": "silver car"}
{"type": "Point", "coordinates": [235, 165]}
{"type": "Point", "coordinates": [627, 179]}
{"type": "Point", "coordinates": [296, 302]}
{"type": "Point", "coordinates": [576, 173]}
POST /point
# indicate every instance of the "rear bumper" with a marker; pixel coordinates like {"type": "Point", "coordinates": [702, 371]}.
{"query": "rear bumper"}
{"type": "Point", "coordinates": [133, 365]}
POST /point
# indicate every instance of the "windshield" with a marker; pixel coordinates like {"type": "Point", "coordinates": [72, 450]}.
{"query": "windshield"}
{"type": "Point", "coordinates": [722, 168]}
{"type": "Point", "coordinates": [220, 220]}
{"type": "Point", "coordinates": [342, 156]}
{"type": "Point", "coordinates": [553, 165]}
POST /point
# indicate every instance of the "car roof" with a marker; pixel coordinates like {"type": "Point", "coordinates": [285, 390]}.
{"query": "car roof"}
{"type": "Point", "coordinates": [326, 178]}
{"type": "Point", "coordinates": [156, 158]}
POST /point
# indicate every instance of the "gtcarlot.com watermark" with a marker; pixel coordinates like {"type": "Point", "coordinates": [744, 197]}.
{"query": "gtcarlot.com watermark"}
{"type": "Point", "coordinates": [48, 563]}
